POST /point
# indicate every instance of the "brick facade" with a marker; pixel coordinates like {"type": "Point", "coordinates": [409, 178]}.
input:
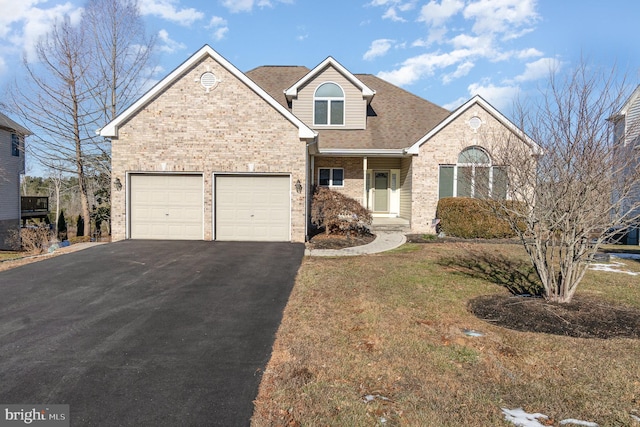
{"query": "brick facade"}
{"type": "Point", "coordinates": [353, 174]}
{"type": "Point", "coordinates": [444, 148]}
{"type": "Point", "coordinates": [229, 128]}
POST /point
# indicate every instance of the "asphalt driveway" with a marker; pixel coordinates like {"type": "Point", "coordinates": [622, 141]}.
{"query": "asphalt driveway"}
{"type": "Point", "coordinates": [145, 332]}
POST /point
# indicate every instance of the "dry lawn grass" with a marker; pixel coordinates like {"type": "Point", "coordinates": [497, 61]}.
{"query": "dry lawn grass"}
{"type": "Point", "coordinates": [390, 327]}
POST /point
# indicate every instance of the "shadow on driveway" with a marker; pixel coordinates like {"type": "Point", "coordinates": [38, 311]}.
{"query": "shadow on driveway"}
{"type": "Point", "coordinates": [145, 332]}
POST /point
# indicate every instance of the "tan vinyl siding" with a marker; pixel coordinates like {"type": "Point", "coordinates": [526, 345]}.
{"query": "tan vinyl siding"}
{"type": "Point", "coordinates": [384, 163]}
{"type": "Point", "coordinates": [355, 106]}
{"type": "Point", "coordinates": [405, 188]}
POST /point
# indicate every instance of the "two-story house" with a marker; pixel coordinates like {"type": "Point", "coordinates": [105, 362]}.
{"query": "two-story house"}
{"type": "Point", "coordinates": [213, 153]}
{"type": "Point", "coordinates": [12, 164]}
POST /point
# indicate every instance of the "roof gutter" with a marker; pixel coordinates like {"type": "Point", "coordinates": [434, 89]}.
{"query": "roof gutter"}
{"type": "Point", "coordinates": [353, 152]}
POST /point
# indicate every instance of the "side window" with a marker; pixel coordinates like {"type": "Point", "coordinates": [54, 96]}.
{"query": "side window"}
{"type": "Point", "coordinates": [329, 177]}
{"type": "Point", "coordinates": [473, 176]}
{"type": "Point", "coordinates": [15, 145]}
{"type": "Point", "coordinates": [328, 105]}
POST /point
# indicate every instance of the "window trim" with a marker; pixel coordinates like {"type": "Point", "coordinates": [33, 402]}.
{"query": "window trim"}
{"type": "Point", "coordinates": [331, 179]}
{"type": "Point", "coordinates": [15, 145]}
{"type": "Point", "coordinates": [472, 185]}
{"type": "Point", "coordinates": [329, 100]}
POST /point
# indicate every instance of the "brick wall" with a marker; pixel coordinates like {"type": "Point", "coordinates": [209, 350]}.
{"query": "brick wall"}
{"type": "Point", "coordinates": [353, 174]}
{"type": "Point", "coordinates": [228, 129]}
{"type": "Point", "coordinates": [444, 148]}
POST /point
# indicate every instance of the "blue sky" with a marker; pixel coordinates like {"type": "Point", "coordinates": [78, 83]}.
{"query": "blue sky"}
{"type": "Point", "coordinates": [442, 50]}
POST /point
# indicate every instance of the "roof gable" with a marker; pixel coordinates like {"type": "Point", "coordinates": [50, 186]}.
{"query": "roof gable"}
{"type": "Point", "coordinates": [7, 123]}
{"type": "Point", "coordinates": [111, 129]}
{"type": "Point", "coordinates": [292, 92]}
{"type": "Point", "coordinates": [477, 100]}
{"type": "Point", "coordinates": [627, 105]}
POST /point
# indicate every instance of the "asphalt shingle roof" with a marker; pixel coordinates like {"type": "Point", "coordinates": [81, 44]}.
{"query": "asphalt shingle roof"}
{"type": "Point", "coordinates": [396, 118]}
{"type": "Point", "coordinates": [7, 123]}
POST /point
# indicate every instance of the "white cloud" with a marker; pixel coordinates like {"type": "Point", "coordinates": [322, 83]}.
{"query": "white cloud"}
{"type": "Point", "coordinates": [393, 6]}
{"type": "Point", "coordinates": [393, 15]}
{"type": "Point", "coordinates": [436, 14]}
{"type": "Point", "coordinates": [501, 97]}
{"type": "Point", "coordinates": [462, 70]}
{"type": "Point", "coordinates": [169, 10]}
{"type": "Point", "coordinates": [539, 69]}
{"type": "Point", "coordinates": [168, 45]}
{"type": "Point", "coordinates": [25, 24]}
{"type": "Point", "coordinates": [481, 29]}
{"type": "Point", "coordinates": [420, 66]}
{"type": "Point", "coordinates": [528, 53]}
{"type": "Point", "coordinates": [378, 48]}
{"type": "Point", "coordinates": [506, 17]}
{"type": "Point", "coordinates": [455, 104]}
{"type": "Point", "coordinates": [219, 26]}
{"type": "Point", "coordinates": [236, 6]}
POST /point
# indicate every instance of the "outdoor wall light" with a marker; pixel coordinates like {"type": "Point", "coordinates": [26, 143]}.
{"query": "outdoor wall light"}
{"type": "Point", "coordinates": [117, 184]}
{"type": "Point", "coordinates": [298, 186]}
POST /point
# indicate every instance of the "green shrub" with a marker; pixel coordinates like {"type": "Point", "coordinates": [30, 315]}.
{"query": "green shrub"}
{"type": "Point", "coordinates": [338, 214]}
{"type": "Point", "coordinates": [473, 218]}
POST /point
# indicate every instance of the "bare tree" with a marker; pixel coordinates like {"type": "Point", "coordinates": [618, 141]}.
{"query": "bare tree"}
{"type": "Point", "coordinates": [55, 99]}
{"type": "Point", "coordinates": [122, 56]}
{"type": "Point", "coordinates": [572, 197]}
{"type": "Point", "coordinates": [83, 76]}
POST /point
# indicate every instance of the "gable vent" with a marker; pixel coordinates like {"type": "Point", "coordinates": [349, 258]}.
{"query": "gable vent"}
{"type": "Point", "coordinates": [208, 80]}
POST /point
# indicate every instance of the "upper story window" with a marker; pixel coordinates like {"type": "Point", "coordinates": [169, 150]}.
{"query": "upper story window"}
{"type": "Point", "coordinates": [15, 145]}
{"type": "Point", "coordinates": [328, 105]}
{"type": "Point", "coordinates": [473, 176]}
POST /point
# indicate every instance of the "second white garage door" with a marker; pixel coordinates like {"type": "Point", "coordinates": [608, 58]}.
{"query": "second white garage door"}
{"type": "Point", "coordinates": [252, 208]}
{"type": "Point", "coordinates": [166, 207]}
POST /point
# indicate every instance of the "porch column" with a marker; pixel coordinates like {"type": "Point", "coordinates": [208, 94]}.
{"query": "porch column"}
{"type": "Point", "coordinates": [365, 202]}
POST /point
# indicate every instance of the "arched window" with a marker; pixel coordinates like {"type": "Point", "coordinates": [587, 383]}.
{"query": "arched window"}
{"type": "Point", "coordinates": [328, 105]}
{"type": "Point", "coordinates": [473, 176]}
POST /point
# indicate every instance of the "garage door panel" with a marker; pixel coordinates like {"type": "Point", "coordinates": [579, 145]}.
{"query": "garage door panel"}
{"type": "Point", "coordinates": [254, 208]}
{"type": "Point", "coordinates": [166, 207]}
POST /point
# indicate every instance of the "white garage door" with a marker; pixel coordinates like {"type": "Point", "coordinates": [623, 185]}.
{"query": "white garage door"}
{"type": "Point", "coordinates": [166, 207]}
{"type": "Point", "coordinates": [253, 208]}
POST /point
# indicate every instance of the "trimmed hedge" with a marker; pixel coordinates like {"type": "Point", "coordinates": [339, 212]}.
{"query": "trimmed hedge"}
{"type": "Point", "coordinates": [472, 218]}
{"type": "Point", "coordinates": [337, 213]}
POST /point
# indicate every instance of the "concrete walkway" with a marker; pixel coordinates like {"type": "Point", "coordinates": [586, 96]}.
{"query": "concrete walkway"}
{"type": "Point", "coordinates": [385, 241]}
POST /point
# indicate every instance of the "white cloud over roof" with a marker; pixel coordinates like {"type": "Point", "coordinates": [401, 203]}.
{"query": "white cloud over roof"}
{"type": "Point", "coordinates": [378, 48]}
{"type": "Point", "coordinates": [463, 35]}
{"type": "Point", "coordinates": [236, 6]}
{"type": "Point", "coordinates": [169, 10]}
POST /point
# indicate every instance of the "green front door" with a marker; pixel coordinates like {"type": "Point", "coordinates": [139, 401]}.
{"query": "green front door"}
{"type": "Point", "coordinates": [381, 193]}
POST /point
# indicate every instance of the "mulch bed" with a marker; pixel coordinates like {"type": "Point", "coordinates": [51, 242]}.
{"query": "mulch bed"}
{"type": "Point", "coordinates": [583, 317]}
{"type": "Point", "coordinates": [323, 241]}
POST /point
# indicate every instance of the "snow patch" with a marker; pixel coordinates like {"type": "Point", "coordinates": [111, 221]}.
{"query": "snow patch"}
{"type": "Point", "coordinates": [523, 419]}
{"type": "Point", "coordinates": [613, 267]}
{"type": "Point", "coordinates": [578, 422]}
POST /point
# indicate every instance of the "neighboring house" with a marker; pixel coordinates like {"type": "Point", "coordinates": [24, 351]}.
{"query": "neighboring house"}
{"type": "Point", "coordinates": [11, 166]}
{"type": "Point", "coordinates": [216, 154]}
{"type": "Point", "coordinates": [626, 130]}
